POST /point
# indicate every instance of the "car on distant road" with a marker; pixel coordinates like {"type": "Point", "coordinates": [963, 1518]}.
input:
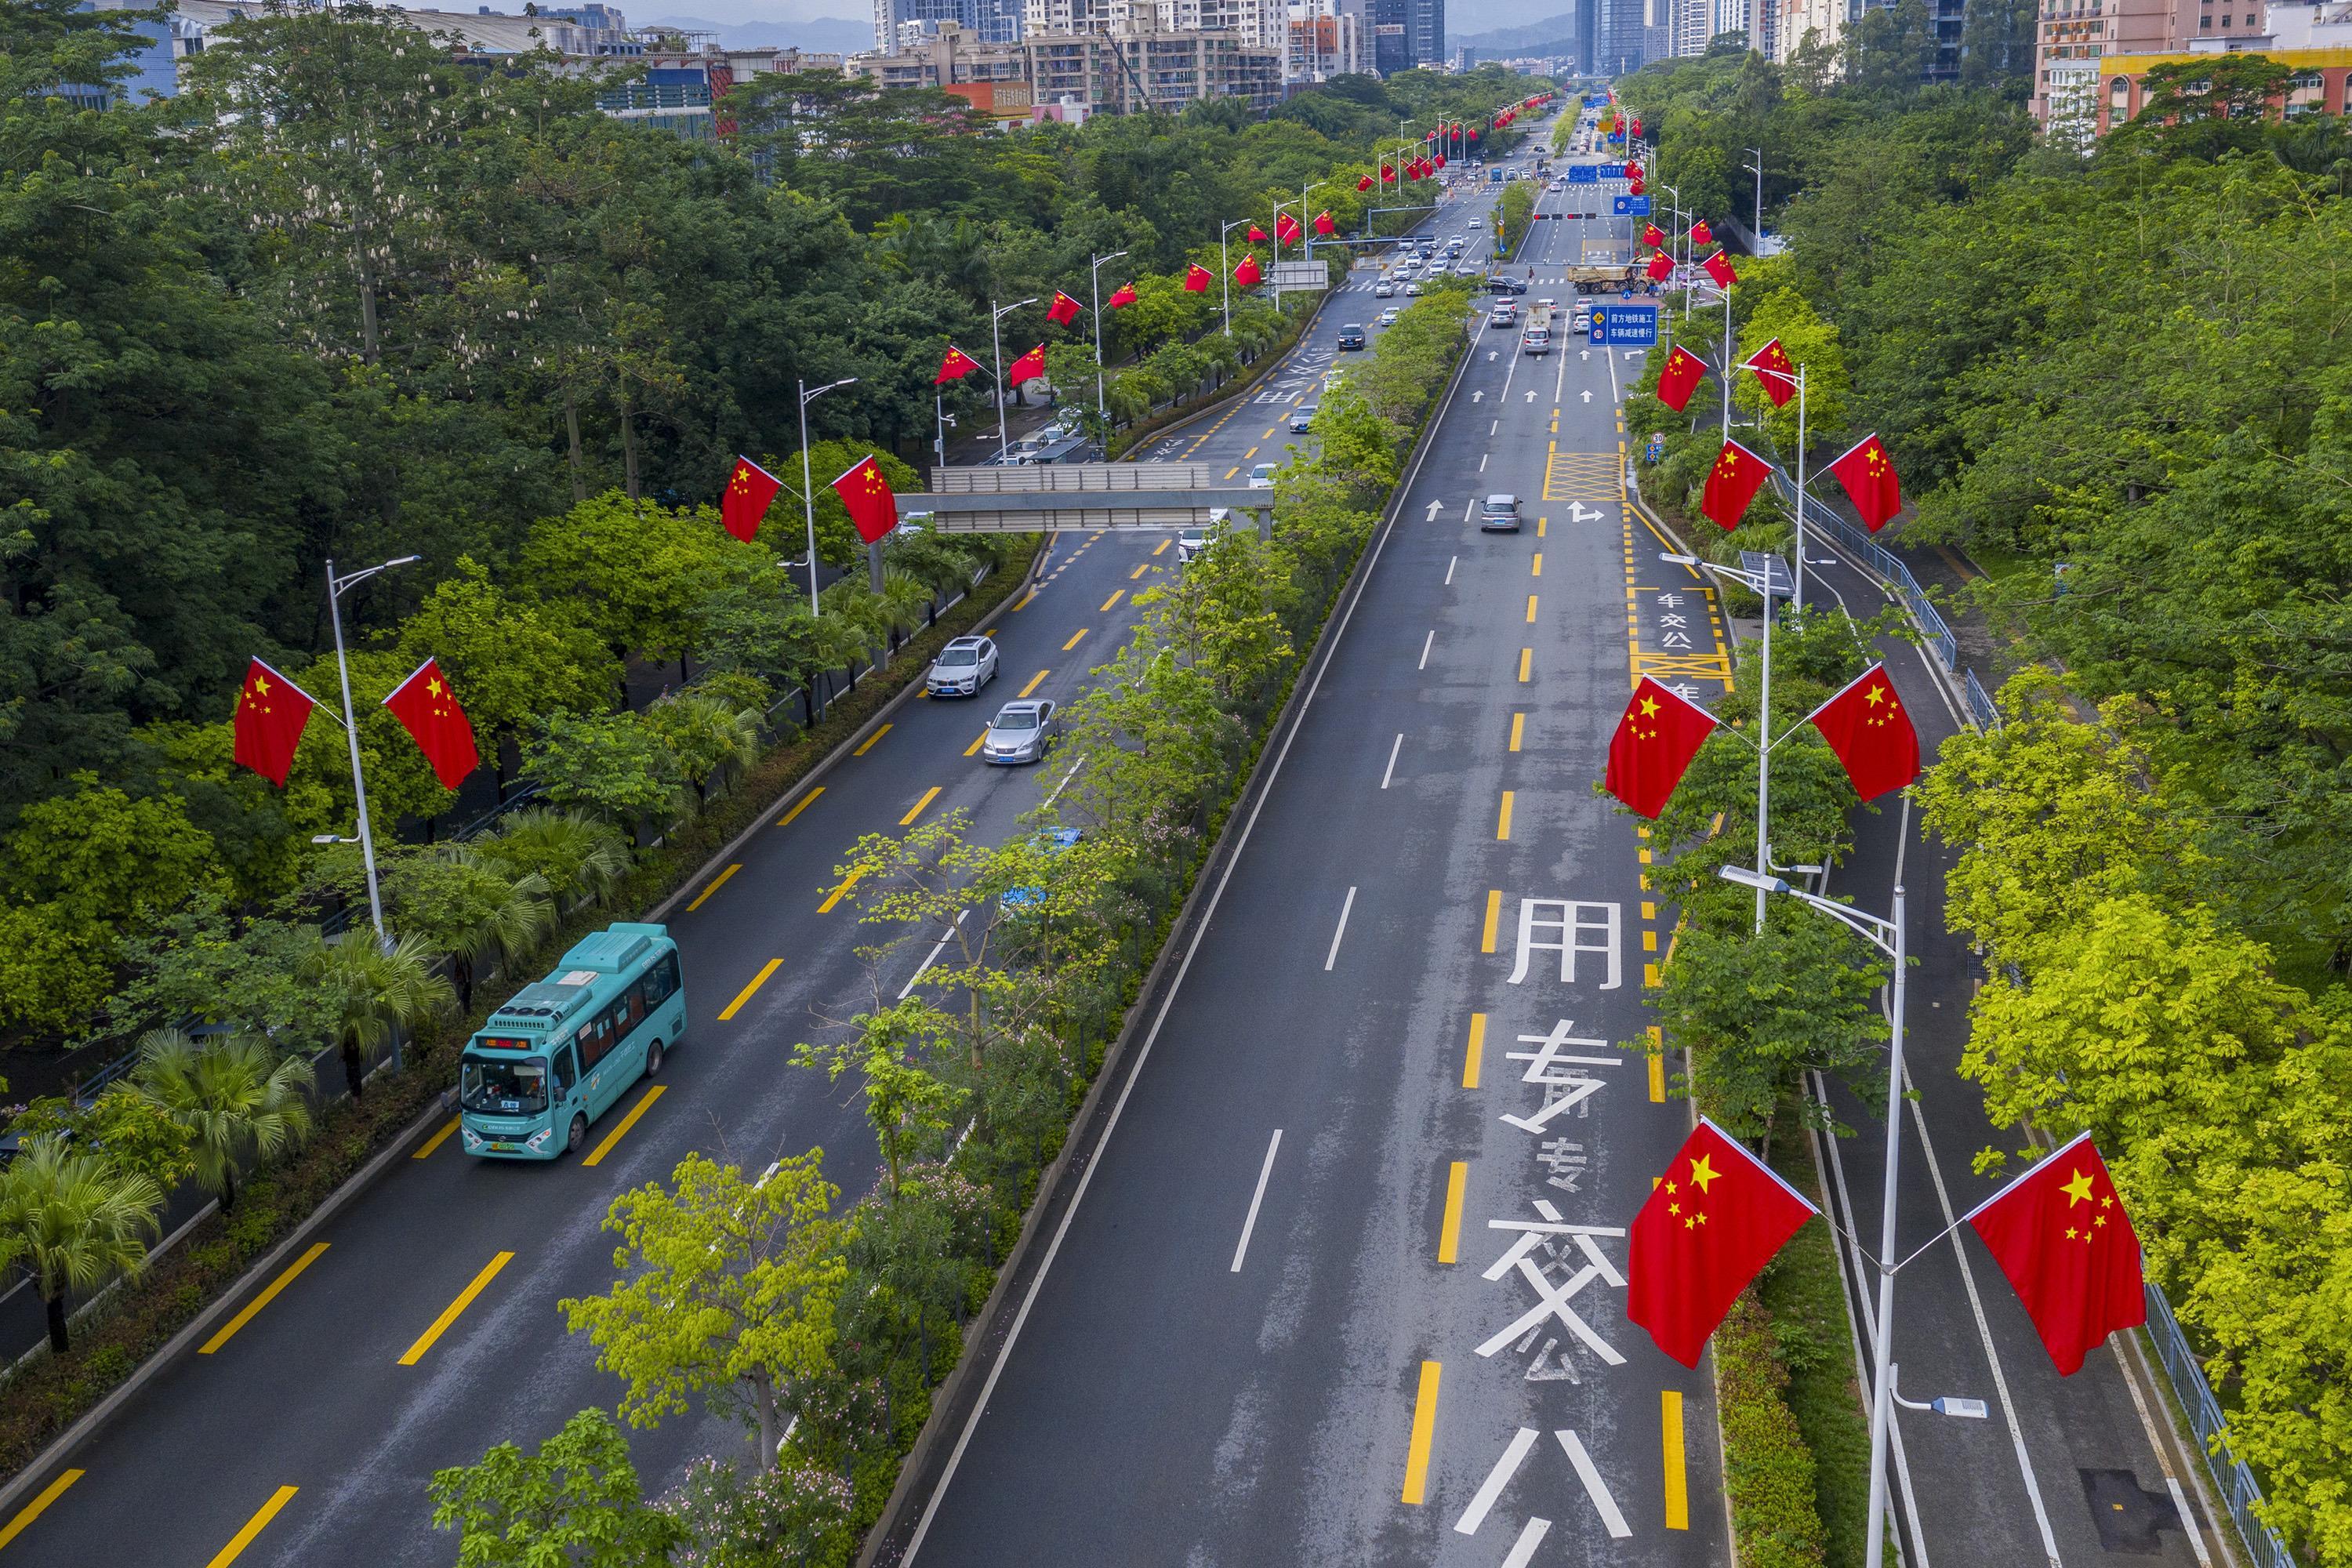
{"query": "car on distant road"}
{"type": "Point", "coordinates": [1504, 314]}
{"type": "Point", "coordinates": [1389, 317]}
{"type": "Point", "coordinates": [964, 666]}
{"type": "Point", "coordinates": [1302, 419]}
{"type": "Point", "coordinates": [1412, 291]}
{"type": "Point", "coordinates": [1499, 514]}
{"type": "Point", "coordinates": [1383, 289]}
{"type": "Point", "coordinates": [1262, 476]}
{"type": "Point", "coordinates": [1351, 336]}
{"type": "Point", "coordinates": [1021, 731]}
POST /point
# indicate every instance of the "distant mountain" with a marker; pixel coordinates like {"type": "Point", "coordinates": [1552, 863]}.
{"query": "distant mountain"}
{"type": "Point", "coordinates": [1547, 36]}
{"type": "Point", "coordinates": [819, 35]}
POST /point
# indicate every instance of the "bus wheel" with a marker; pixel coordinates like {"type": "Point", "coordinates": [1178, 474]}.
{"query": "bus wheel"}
{"type": "Point", "coordinates": [653, 1059]}
{"type": "Point", "coordinates": [578, 1136]}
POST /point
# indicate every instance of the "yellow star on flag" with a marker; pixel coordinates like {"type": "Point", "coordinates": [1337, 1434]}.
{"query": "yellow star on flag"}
{"type": "Point", "coordinates": [2077, 1191]}
{"type": "Point", "coordinates": [1702, 1172]}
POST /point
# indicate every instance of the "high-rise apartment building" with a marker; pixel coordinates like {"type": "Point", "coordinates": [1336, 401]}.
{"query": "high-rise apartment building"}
{"type": "Point", "coordinates": [898, 24]}
{"type": "Point", "coordinates": [1425, 32]}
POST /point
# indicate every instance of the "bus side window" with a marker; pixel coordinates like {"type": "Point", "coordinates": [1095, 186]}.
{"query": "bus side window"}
{"type": "Point", "coordinates": [661, 981]}
{"type": "Point", "coordinates": [595, 1039]}
{"type": "Point", "coordinates": [566, 1073]}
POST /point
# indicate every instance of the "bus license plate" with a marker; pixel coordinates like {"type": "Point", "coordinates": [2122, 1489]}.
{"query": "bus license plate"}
{"type": "Point", "coordinates": [505, 1147]}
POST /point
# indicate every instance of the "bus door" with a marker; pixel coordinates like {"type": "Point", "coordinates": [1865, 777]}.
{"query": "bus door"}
{"type": "Point", "coordinates": [567, 1080]}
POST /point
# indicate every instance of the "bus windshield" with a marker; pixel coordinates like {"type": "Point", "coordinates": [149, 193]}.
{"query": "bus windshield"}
{"type": "Point", "coordinates": [506, 1086]}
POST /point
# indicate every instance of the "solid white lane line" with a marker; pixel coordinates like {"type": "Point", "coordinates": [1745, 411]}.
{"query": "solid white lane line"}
{"type": "Point", "coordinates": [934, 957]}
{"type": "Point", "coordinates": [1615, 394]}
{"type": "Point", "coordinates": [1424, 648]}
{"type": "Point", "coordinates": [1602, 1503]}
{"type": "Point", "coordinates": [1483, 1499]}
{"type": "Point", "coordinates": [1482, 461]}
{"type": "Point", "coordinates": [2181, 1507]}
{"type": "Point", "coordinates": [1249, 1224]}
{"type": "Point", "coordinates": [1523, 1550]}
{"type": "Point", "coordinates": [1065, 780]}
{"type": "Point", "coordinates": [1394, 748]}
{"type": "Point", "coordinates": [1469, 509]}
{"type": "Point", "coordinates": [1450, 562]}
{"type": "Point", "coordinates": [1333, 956]}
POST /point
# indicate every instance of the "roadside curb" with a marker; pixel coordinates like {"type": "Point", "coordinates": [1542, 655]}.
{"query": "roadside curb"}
{"type": "Point", "coordinates": [45, 1464]}
{"type": "Point", "coordinates": [961, 1396]}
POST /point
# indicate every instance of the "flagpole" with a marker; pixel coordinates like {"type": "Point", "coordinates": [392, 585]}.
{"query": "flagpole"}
{"type": "Point", "coordinates": [1763, 749]}
{"type": "Point", "coordinates": [336, 588]}
{"type": "Point", "coordinates": [1798, 603]}
{"type": "Point", "coordinates": [1882, 1379]}
{"type": "Point", "coordinates": [996, 347]}
{"type": "Point", "coordinates": [1225, 272]}
{"type": "Point", "coordinates": [1102, 408]}
{"type": "Point", "coordinates": [808, 482]}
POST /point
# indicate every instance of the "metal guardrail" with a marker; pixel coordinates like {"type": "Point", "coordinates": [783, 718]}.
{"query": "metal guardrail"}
{"type": "Point", "coordinates": [2240, 1494]}
{"type": "Point", "coordinates": [1980, 707]}
{"type": "Point", "coordinates": [1888, 566]}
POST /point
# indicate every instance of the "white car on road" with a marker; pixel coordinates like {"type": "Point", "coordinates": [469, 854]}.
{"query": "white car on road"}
{"type": "Point", "coordinates": [964, 666]}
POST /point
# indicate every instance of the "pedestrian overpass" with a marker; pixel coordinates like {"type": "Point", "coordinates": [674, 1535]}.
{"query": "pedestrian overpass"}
{"type": "Point", "coordinates": [1013, 499]}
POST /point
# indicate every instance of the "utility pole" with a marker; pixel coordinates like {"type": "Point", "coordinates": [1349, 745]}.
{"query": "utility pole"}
{"type": "Point", "coordinates": [1102, 409]}
{"type": "Point", "coordinates": [996, 368]}
{"type": "Point", "coordinates": [336, 588]}
{"type": "Point", "coordinates": [808, 483]}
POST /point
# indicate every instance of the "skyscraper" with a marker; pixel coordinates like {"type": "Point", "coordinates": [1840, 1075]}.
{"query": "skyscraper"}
{"type": "Point", "coordinates": [1425, 32]}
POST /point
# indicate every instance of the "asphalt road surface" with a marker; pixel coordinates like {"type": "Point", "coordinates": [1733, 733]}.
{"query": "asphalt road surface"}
{"type": "Point", "coordinates": [1346, 1284]}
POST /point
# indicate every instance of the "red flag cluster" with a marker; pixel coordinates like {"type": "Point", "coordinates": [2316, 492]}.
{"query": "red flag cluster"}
{"type": "Point", "coordinates": [1286, 229]}
{"type": "Point", "coordinates": [272, 712]}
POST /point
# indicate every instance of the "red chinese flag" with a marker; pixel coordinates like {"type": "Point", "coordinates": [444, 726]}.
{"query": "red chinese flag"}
{"type": "Point", "coordinates": [1711, 1224]}
{"type": "Point", "coordinates": [424, 707]}
{"type": "Point", "coordinates": [1197, 280]}
{"type": "Point", "coordinates": [872, 506]}
{"type": "Point", "coordinates": [1255, 235]}
{"type": "Point", "coordinates": [1636, 127]}
{"type": "Point", "coordinates": [1654, 236]}
{"type": "Point", "coordinates": [1868, 475]}
{"type": "Point", "coordinates": [1323, 222]}
{"type": "Point", "coordinates": [1634, 187]}
{"type": "Point", "coordinates": [954, 366]}
{"type": "Point", "coordinates": [2060, 1234]}
{"type": "Point", "coordinates": [748, 490]}
{"type": "Point", "coordinates": [270, 713]}
{"type": "Point", "coordinates": [1063, 310]}
{"type": "Point", "coordinates": [1286, 228]}
{"type": "Point", "coordinates": [1365, 184]}
{"type": "Point", "coordinates": [1388, 175]}
{"type": "Point", "coordinates": [1660, 266]}
{"type": "Point", "coordinates": [1731, 484]}
{"type": "Point", "coordinates": [1700, 234]}
{"type": "Point", "coordinates": [1441, 160]}
{"type": "Point", "coordinates": [1719, 267]}
{"type": "Point", "coordinates": [1247, 272]}
{"type": "Point", "coordinates": [1122, 297]}
{"type": "Point", "coordinates": [1775, 371]}
{"type": "Point", "coordinates": [1633, 171]}
{"type": "Point", "coordinates": [1866, 727]}
{"type": "Point", "coordinates": [1028, 367]}
{"type": "Point", "coordinates": [1679, 378]}
{"type": "Point", "coordinates": [1656, 740]}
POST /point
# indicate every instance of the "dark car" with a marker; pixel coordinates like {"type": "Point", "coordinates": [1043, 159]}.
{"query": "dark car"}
{"type": "Point", "coordinates": [1502, 283]}
{"type": "Point", "coordinates": [1351, 336]}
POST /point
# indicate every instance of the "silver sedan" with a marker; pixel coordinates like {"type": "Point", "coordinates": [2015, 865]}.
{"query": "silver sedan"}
{"type": "Point", "coordinates": [1021, 731]}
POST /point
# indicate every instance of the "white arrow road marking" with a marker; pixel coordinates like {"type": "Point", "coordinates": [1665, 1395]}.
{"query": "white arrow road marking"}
{"type": "Point", "coordinates": [1602, 1503]}
{"type": "Point", "coordinates": [1434, 508]}
{"type": "Point", "coordinates": [1483, 1500]}
{"type": "Point", "coordinates": [1523, 1550]}
{"type": "Point", "coordinates": [1477, 397]}
{"type": "Point", "coordinates": [1584, 353]}
{"type": "Point", "coordinates": [1490, 356]}
{"type": "Point", "coordinates": [1576, 512]}
{"type": "Point", "coordinates": [1588, 395]}
{"type": "Point", "coordinates": [1531, 394]}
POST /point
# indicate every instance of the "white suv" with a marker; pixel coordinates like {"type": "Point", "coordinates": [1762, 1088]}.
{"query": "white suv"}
{"type": "Point", "coordinates": [964, 666]}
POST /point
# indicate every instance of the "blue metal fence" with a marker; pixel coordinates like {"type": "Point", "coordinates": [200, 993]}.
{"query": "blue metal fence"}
{"type": "Point", "coordinates": [2240, 1494]}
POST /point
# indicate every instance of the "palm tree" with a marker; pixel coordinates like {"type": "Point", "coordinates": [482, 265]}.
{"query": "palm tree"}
{"type": "Point", "coordinates": [708, 734]}
{"type": "Point", "coordinates": [74, 1221]}
{"type": "Point", "coordinates": [237, 1097]}
{"type": "Point", "coordinates": [370, 994]}
{"type": "Point", "coordinates": [581, 857]}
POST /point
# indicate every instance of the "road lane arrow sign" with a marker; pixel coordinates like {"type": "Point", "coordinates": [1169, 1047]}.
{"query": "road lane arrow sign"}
{"type": "Point", "coordinates": [1576, 513]}
{"type": "Point", "coordinates": [1434, 508]}
{"type": "Point", "coordinates": [1531, 395]}
{"type": "Point", "coordinates": [1588, 395]}
{"type": "Point", "coordinates": [1490, 356]}
{"type": "Point", "coordinates": [1477, 397]}
{"type": "Point", "coordinates": [1584, 353]}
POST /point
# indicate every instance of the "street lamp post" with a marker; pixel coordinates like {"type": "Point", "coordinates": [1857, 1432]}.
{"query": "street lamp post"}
{"type": "Point", "coordinates": [336, 588]}
{"type": "Point", "coordinates": [1225, 272]}
{"type": "Point", "coordinates": [1886, 935]}
{"type": "Point", "coordinates": [939, 442]}
{"type": "Point", "coordinates": [1102, 408]}
{"type": "Point", "coordinates": [1757, 168]}
{"type": "Point", "coordinates": [996, 367]}
{"type": "Point", "coordinates": [1763, 584]}
{"type": "Point", "coordinates": [808, 483]}
{"type": "Point", "coordinates": [1797, 599]}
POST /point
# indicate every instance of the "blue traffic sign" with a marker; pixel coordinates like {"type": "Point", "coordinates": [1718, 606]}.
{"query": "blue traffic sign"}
{"type": "Point", "coordinates": [1624, 326]}
{"type": "Point", "coordinates": [1630, 207]}
{"type": "Point", "coordinates": [1583, 173]}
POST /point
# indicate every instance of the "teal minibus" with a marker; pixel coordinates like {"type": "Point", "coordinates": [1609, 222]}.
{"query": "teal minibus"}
{"type": "Point", "coordinates": [563, 1049]}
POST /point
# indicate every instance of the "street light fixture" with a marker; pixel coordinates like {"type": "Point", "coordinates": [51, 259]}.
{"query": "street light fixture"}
{"type": "Point", "coordinates": [1767, 585]}
{"type": "Point", "coordinates": [808, 484]}
{"type": "Point", "coordinates": [996, 348]}
{"type": "Point", "coordinates": [336, 588]}
{"type": "Point", "coordinates": [1225, 272]}
{"type": "Point", "coordinates": [1102, 408]}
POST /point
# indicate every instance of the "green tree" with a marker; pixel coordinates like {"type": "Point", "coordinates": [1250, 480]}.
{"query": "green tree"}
{"type": "Point", "coordinates": [796, 1513]}
{"type": "Point", "coordinates": [238, 1100]}
{"type": "Point", "coordinates": [574, 1502]}
{"type": "Point", "coordinates": [372, 996]}
{"type": "Point", "coordinates": [729, 1288]}
{"type": "Point", "coordinates": [74, 1222]}
{"type": "Point", "coordinates": [633, 573]}
{"type": "Point", "coordinates": [706, 734]}
{"type": "Point", "coordinates": [617, 765]}
{"type": "Point", "coordinates": [910, 1109]}
{"type": "Point", "coordinates": [138, 1136]}
{"type": "Point", "coordinates": [580, 858]}
{"type": "Point", "coordinates": [460, 900]}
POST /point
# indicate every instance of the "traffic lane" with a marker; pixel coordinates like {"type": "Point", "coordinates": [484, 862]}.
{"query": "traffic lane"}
{"type": "Point", "coordinates": [1192, 1070]}
{"type": "Point", "coordinates": [385, 1274]}
{"type": "Point", "coordinates": [2074, 1429]}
